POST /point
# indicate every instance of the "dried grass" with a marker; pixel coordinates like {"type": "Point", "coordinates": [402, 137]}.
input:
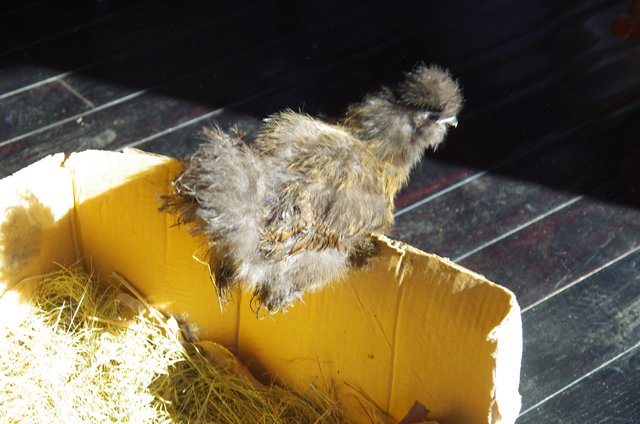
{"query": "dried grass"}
{"type": "Point", "coordinates": [82, 355]}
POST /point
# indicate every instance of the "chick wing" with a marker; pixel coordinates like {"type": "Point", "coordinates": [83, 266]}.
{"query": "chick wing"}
{"type": "Point", "coordinates": [326, 191]}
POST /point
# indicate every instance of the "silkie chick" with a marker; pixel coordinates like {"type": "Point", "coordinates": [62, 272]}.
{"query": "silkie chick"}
{"type": "Point", "coordinates": [295, 209]}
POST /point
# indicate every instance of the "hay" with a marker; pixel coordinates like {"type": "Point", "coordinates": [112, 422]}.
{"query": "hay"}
{"type": "Point", "coordinates": [84, 354]}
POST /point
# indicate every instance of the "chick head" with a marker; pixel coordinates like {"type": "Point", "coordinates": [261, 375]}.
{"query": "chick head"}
{"type": "Point", "coordinates": [400, 122]}
{"type": "Point", "coordinates": [432, 99]}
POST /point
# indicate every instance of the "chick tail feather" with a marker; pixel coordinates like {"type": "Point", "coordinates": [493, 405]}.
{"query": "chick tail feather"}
{"type": "Point", "coordinates": [219, 194]}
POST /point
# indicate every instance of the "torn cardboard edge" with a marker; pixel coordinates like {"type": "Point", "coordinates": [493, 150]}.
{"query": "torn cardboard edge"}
{"type": "Point", "coordinates": [414, 327]}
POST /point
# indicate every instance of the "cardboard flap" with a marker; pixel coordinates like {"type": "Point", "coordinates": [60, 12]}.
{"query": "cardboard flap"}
{"type": "Point", "coordinates": [414, 327]}
{"type": "Point", "coordinates": [36, 220]}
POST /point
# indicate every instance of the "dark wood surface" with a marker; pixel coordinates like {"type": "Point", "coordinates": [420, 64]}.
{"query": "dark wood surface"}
{"type": "Point", "coordinates": [538, 188]}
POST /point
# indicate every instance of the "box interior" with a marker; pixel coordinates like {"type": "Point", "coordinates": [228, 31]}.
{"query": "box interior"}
{"type": "Point", "coordinates": [413, 327]}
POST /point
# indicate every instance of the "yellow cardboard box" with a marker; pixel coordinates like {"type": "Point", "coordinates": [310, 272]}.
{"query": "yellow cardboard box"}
{"type": "Point", "coordinates": [414, 327]}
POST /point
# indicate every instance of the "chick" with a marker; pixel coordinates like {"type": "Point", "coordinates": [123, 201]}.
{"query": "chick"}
{"type": "Point", "coordinates": [296, 208]}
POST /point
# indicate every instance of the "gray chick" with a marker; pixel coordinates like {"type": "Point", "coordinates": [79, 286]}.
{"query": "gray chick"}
{"type": "Point", "coordinates": [295, 209]}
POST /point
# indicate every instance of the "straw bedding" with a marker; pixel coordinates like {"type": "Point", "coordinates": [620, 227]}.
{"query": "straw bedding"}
{"type": "Point", "coordinates": [88, 352]}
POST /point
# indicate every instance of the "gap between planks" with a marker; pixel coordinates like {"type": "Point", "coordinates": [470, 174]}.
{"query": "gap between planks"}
{"type": "Point", "coordinates": [519, 228]}
{"type": "Point", "coordinates": [166, 131]}
{"type": "Point", "coordinates": [582, 278]}
{"type": "Point", "coordinates": [37, 84]}
{"type": "Point", "coordinates": [579, 380]}
{"type": "Point", "coordinates": [74, 117]}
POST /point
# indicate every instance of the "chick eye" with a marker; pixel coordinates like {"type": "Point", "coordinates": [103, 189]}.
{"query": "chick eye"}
{"type": "Point", "coordinates": [416, 124]}
{"type": "Point", "coordinates": [422, 119]}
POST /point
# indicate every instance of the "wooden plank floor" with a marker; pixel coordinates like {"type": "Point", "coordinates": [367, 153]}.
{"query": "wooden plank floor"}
{"type": "Point", "coordinates": [538, 188]}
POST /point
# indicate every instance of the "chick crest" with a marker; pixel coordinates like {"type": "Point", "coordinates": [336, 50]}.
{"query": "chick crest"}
{"type": "Point", "coordinates": [295, 209]}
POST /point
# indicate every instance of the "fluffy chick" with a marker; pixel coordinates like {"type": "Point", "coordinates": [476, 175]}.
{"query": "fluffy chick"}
{"type": "Point", "coordinates": [295, 209]}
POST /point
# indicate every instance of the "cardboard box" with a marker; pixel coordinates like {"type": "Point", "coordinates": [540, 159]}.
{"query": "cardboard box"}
{"type": "Point", "coordinates": [414, 327]}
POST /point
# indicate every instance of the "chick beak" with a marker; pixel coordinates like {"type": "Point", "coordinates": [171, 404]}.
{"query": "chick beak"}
{"type": "Point", "coordinates": [451, 121]}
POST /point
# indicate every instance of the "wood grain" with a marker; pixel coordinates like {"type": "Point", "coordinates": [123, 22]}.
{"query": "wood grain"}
{"type": "Point", "coordinates": [108, 41]}
{"type": "Point", "coordinates": [41, 21]}
{"type": "Point", "coordinates": [479, 211]}
{"type": "Point", "coordinates": [456, 222]}
{"type": "Point", "coordinates": [581, 328]}
{"type": "Point", "coordinates": [37, 108]}
{"type": "Point", "coordinates": [610, 395]}
{"type": "Point", "coordinates": [559, 249]}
